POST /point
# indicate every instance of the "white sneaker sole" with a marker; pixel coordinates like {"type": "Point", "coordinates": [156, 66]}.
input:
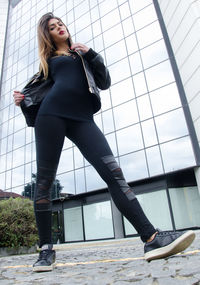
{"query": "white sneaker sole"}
{"type": "Point", "coordinates": [43, 268]}
{"type": "Point", "coordinates": [175, 247]}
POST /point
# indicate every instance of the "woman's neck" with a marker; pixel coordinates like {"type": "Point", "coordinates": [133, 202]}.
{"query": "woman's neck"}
{"type": "Point", "coordinates": [62, 47]}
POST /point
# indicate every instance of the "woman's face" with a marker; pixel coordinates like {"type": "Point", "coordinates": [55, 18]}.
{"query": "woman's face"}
{"type": "Point", "coordinates": [57, 31]}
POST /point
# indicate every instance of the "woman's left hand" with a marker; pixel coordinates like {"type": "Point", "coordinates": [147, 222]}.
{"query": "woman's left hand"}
{"type": "Point", "coordinates": [79, 47]}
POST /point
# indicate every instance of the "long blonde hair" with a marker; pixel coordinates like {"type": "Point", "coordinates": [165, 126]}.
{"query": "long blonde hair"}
{"type": "Point", "coordinates": [46, 46]}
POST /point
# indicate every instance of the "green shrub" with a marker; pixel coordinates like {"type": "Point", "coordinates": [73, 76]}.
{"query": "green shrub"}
{"type": "Point", "coordinates": [17, 223]}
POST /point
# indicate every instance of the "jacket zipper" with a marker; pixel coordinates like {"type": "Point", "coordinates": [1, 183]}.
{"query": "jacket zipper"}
{"type": "Point", "coordinates": [90, 88]}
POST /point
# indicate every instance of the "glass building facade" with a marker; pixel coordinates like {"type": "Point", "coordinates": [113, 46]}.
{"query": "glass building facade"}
{"type": "Point", "coordinates": [143, 117]}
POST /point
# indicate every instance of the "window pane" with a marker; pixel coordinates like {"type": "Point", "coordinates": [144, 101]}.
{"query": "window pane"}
{"type": "Point", "coordinates": [159, 204]}
{"type": "Point", "coordinates": [126, 114]}
{"type": "Point", "coordinates": [80, 180]}
{"type": "Point", "coordinates": [66, 161]}
{"type": "Point", "coordinates": [129, 139]}
{"type": "Point", "coordinates": [144, 107]}
{"type": "Point", "coordinates": [154, 54]}
{"type": "Point", "coordinates": [149, 133]}
{"type": "Point", "coordinates": [154, 161]}
{"type": "Point", "coordinates": [145, 17]}
{"type": "Point", "coordinates": [135, 62]}
{"type": "Point", "coordinates": [67, 181]}
{"type": "Point", "coordinates": [134, 166]}
{"type": "Point", "coordinates": [168, 129]}
{"type": "Point", "coordinates": [93, 180]}
{"type": "Point", "coordinates": [149, 34]}
{"type": "Point", "coordinates": [185, 205]}
{"type": "Point", "coordinates": [159, 75]}
{"type": "Point", "coordinates": [98, 221]}
{"type": "Point", "coordinates": [177, 154]}
{"type": "Point", "coordinates": [113, 35]}
{"type": "Point", "coordinates": [108, 124]}
{"type": "Point", "coordinates": [165, 99]}
{"type": "Point", "coordinates": [73, 224]}
{"type": "Point", "coordinates": [119, 70]}
{"type": "Point", "coordinates": [122, 92]}
{"type": "Point", "coordinates": [116, 52]}
{"type": "Point", "coordinates": [139, 84]}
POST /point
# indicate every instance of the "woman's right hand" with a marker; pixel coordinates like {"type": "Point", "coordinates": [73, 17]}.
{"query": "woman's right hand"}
{"type": "Point", "coordinates": [18, 97]}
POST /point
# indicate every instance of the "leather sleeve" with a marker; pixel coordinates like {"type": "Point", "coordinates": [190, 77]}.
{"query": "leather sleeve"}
{"type": "Point", "coordinates": [98, 68]}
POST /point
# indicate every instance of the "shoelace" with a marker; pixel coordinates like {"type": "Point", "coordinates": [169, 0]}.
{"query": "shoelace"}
{"type": "Point", "coordinates": [43, 255]}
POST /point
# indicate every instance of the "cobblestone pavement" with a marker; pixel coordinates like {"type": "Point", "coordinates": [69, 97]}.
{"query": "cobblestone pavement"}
{"type": "Point", "coordinates": [117, 262]}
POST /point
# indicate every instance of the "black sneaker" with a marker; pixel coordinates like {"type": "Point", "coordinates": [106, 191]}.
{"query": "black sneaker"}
{"type": "Point", "coordinates": [46, 261]}
{"type": "Point", "coordinates": [167, 243]}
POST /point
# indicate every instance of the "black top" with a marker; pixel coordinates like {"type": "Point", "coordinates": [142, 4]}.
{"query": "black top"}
{"type": "Point", "coordinates": [69, 96]}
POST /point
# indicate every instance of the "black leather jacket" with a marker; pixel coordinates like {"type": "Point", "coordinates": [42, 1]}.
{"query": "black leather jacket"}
{"type": "Point", "coordinates": [35, 90]}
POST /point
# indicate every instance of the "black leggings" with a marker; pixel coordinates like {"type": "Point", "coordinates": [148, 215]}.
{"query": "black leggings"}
{"type": "Point", "coordinates": [50, 132]}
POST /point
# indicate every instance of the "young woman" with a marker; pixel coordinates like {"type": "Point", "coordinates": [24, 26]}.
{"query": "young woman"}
{"type": "Point", "coordinates": [67, 110]}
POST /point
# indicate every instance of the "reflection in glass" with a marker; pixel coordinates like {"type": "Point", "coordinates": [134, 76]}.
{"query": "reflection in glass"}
{"type": "Point", "coordinates": [93, 180]}
{"type": "Point", "coordinates": [78, 158]}
{"type": "Point", "coordinates": [112, 143]}
{"type": "Point", "coordinates": [108, 124]}
{"type": "Point", "coordinates": [19, 139]}
{"type": "Point", "coordinates": [159, 75]}
{"type": "Point", "coordinates": [28, 156]}
{"type": "Point", "coordinates": [96, 27]}
{"type": "Point", "coordinates": [135, 62]}
{"type": "Point", "coordinates": [149, 133]}
{"type": "Point", "coordinates": [2, 180]}
{"type": "Point", "coordinates": [80, 180]}
{"type": "Point", "coordinates": [9, 160]}
{"type": "Point", "coordinates": [19, 122]}
{"type": "Point", "coordinates": [122, 92]}
{"type": "Point", "coordinates": [165, 99]}
{"type": "Point", "coordinates": [158, 212]}
{"type": "Point", "coordinates": [144, 107]}
{"type": "Point", "coordinates": [134, 166]}
{"type": "Point", "coordinates": [139, 84]}
{"type": "Point", "coordinates": [145, 17]}
{"type": "Point", "coordinates": [113, 35]}
{"type": "Point", "coordinates": [18, 156]}
{"type": "Point", "coordinates": [126, 114]}
{"type": "Point", "coordinates": [171, 125]}
{"type": "Point", "coordinates": [8, 179]}
{"type": "Point", "coordinates": [28, 173]}
{"type": "Point", "coordinates": [107, 6]}
{"type": "Point", "coordinates": [98, 121]}
{"type": "Point", "coordinates": [116, 52]}
{"type": "Point", "coordinates": [154, 161]}
{"type": "Point", "coordinates": [185, 206]}
{"type": "Point", "coordinates": [106, 20]}
{"type": "Point", "coordinates": [149, 34]}
{"type": "Point", "coordinates": [18, 177]}
{"type": "Point", "coordinates": [85, 35]}
{"type": "Point", "coordinates": [105, 100]}
{"type": "Point", "coordinates": [73, 224]}
{"type": "Point", "coordinates": [2, 163]}
{"type": "Point", "coordinates": [137, 5]}
{"type": "Point", "coordinates": [66, 161]}
{"type": "Point", "coordinates": [128, 26]}
{"type": "Point", "coordinates": [154, 54]}
{"type": "Point", "coordinates": [67, 181]}
{"type": "Point", "coordinates": [98, 221]}
{"type": "Point", "coordinates": [119, 70]}
{"type": "Point", "coordinates": [94, 13]}
{"type": "Point", "coordinates": [177, 154]}
{"type": "Point", "coordinates": [124, 11]}
{"type": "Point", "coordinates": [98, 43]}
{"type": "Point", "coordinates": [131, 44]}
{"type": "Point", "coordinates": [129, 139]}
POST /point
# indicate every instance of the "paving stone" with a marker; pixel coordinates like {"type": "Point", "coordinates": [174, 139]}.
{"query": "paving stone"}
{"type": "Point", "coordinates": [114, 262]}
